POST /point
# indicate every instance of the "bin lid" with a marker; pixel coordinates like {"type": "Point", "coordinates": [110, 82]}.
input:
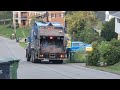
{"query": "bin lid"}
{"type": "Point", "coordinates": [8, 59]}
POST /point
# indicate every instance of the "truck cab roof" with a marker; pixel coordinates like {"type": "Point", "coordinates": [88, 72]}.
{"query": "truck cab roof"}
{"type": "Point", "coordinates": [55, 24]}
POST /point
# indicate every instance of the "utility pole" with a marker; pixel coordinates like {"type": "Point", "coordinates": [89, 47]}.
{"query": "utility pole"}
{"type": "Point", "coordinates": [15, 28]}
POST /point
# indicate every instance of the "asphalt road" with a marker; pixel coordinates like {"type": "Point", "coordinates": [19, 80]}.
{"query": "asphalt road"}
{"type": "Point", "coordinates": [28, 70]}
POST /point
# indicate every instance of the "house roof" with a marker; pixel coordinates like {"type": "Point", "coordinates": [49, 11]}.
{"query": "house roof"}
{"type": "Point", "coordinates": [101, 14]}
{"type": "Point", "coordinates": [112, 12]}
{"type": "Point", "coordinates": [117, 14]}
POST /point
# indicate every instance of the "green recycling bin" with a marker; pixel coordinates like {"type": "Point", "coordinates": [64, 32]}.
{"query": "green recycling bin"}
{"type": "Point", "coordinates": [13, 65]}
{"type": "Point", "coordinates": [72, 56]}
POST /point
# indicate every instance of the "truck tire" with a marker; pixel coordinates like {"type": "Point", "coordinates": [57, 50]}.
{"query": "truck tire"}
{"type": "Point", "coordinates": [26, 53]}
{"type": "Point", "coordinates": [32, 57]}
{"type": "Point", "coordinates": [27, 56]}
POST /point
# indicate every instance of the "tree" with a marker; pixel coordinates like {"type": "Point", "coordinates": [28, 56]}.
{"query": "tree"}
{"type": "Point", "coordinates": [88, 36]}
{"type": "Point", "coordinates": [37, 18]}
{"type": "Point", "coordinates": [80, 24]}
{"type": "Point", "coordinates": [108, 31]}
{"type": "Point", "coordinates": [5, 14]}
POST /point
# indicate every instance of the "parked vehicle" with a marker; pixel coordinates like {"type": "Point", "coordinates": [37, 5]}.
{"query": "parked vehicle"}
{"type": "Point", "coordinates": [46, 41]}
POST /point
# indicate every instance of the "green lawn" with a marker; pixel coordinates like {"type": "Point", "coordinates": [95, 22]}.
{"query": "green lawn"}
{"type": "Point", "coordinates": [20, 32]}
{"type": "Point", "coordinates": [113, 69]}
{"type": "Point", "coordinates": [6, 32]}
{"type": "Point", "coordinates": [22, 44]}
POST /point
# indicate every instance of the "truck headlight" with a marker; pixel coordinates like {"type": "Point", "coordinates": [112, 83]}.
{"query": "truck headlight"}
{"type": "Point", "coordinates": [62, 56]}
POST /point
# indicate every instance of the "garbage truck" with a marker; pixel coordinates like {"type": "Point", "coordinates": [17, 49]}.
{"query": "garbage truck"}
{"type": "Point", "coordinates": [46, 41]}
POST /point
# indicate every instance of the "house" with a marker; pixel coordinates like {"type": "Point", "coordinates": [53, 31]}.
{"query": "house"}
{"type": "Point", "coordinates": [23, 18]}
{"type": "Point", "coordinates": [107, 16]}
{"type": "Point", "coordinates": [56, 16]}
{"type": "Point", "coordinates": [117, 23]}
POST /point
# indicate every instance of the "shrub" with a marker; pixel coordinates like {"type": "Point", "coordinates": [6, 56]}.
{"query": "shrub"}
{"type": "Point", "coordinates": [94, 45]}
{"type": "Point", "coordinates": [103, 48]}
{"type": "Point", "coordinates": [109, 53]}
{"type": "Point", "coordinates": [115, 42]}
{"type": "Point", "coordinates": [108, 31]}
{"type": "Point", "coordinates": [93, 58]}
{"type": "Point", "coordinates": [80, 57]}
{"type": "Point", "coordinates": [112, 56]}
{"type": "Point", "coordinates": [100, 40]}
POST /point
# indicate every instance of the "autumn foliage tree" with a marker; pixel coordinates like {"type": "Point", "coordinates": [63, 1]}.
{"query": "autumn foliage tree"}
{"type": "Point", "coordinates": [80, 25]}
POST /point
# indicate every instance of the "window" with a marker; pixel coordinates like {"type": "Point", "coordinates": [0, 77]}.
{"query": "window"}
{"type": "Point", "coordinates": [118, 20]}
{"type": "Point", "coordinates": [62, 15]}
{"type": "Point", "coordinates": [59, 14]}
{"type": "Point", "coordinates": [52, 15]}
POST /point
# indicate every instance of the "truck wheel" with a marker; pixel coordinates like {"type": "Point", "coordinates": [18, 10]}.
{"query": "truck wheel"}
{"type": "Point", "coordinates": [26, 53]}
{"type": "Point", "coordinates": [28, 58]}
{"type": "Point", "coordinates": [32, 57]}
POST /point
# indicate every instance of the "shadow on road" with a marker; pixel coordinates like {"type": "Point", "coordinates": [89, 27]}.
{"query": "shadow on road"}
{"type": "Point", "coordinates": [47, 62]}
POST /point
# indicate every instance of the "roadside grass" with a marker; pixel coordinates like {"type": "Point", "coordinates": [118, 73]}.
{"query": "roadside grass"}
{"type": "Point", "coordinates": [22, 44]}
{"type": "Point", "coordinates": [20, 33]}
{"type": "Point", "coordinates": [78, 57]}
{"type": "Point", "coordinates": [112, 69]}
{"type": "Point", "coordinates": [7, 32]}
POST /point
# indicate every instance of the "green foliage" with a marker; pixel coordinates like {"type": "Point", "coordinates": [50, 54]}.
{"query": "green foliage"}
{"type": "Point", "coordinates": [94, 45]}
{"type": "Point", "coordinates": [115, 42]}
{"type": "Point", "coordinates": [103, 48]}
{"type": "Point", "coordinates": [100, 39]}
{"type": "Point", "coordinates": [108, 31]}
{"type": "Point", "coordinates": [80, 57]}
{"type": "Point", "coordinates": [7, 32]}
{"type": "Point", "coordinates": [88, 36]}
{"type": "Point", "coordinates": [93, 58]}
{"type": "Point", "coordinates": [113, 56]}
{"type": "Point", "coordinates": [22, 44]}
{"type": "Point", "coordinates": [106, 52]}
{"type": "Point", "coordinates": [78, 20]}
{"type": "Point", "coordinates": [113, 68]}
{"type": "Point", "coordinates": [5, 14]}
{"type": "Point", "coordinates": [4, 31]}
{"type": "Point", "coordinates": [80, 24]}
